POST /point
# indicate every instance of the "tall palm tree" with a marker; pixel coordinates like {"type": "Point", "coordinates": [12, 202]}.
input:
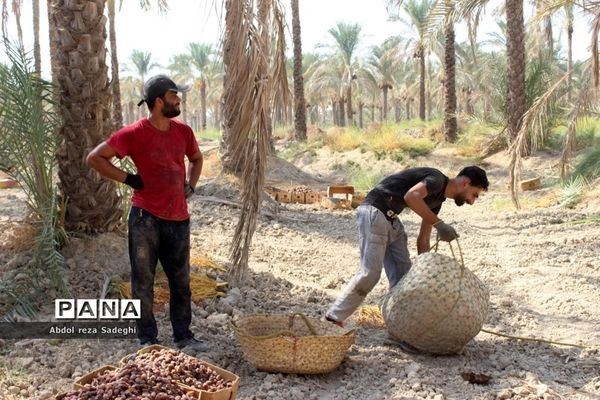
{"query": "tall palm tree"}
{"type": "Point", "coordinates": [92, 203]}
{"type": "Point", "coordinates": [181, 70]}
{"type": "Point", "coordinates": [115, 84]}
{"type": "Point", "coordinates": [383, 62]}
{"type": "Point", "coordinates": [143, 64]}
{"type": "Point", "coordinates": [299, 100]}
{"type": "Point", "coordinates": [417, 11]}
{"type": "Point", "coordinates": [200, 57]}
{"type": "Point", "coordinates": [515, 53]}
{"type": "Point", "coordinates": [347, 37]}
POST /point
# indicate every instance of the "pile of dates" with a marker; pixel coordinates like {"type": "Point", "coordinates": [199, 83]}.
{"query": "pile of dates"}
{"type": "Point", "coordinates": [129, 382]}
{"type": "Point", "coordinates": [181, 368]}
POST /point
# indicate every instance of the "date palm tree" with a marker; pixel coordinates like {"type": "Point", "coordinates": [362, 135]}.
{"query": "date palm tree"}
{"type": "Point", "coordinates": [142, 65]}
{"type": "Point", "coordinates": [200, 55]}
{"type": "Point", "coordinates": [417, 12]}
{"type": "Point", "coordinates": [347, 37]}
{"type": "Point", "coordinates": [382, 63]}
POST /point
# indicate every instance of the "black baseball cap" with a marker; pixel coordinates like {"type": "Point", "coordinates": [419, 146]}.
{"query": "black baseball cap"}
{"type": "Point", "coordinates": [158, 85]}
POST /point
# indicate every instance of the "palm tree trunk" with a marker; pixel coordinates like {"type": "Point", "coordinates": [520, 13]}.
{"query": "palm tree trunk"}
{"type": "Point", "coordinates": [299, 100]}
{"type": "Point", "coordinates": [569, 56]}
{"type": "Point", "coordinates": [361, 107]}
{"type": "Point", "coordinates": [422, 85]}
{"type": "Point", "coordinates": [515, 49]}
{"type": "Point", "coordinates": [373, 112]}
{"type": "Point", "coordinates": [334, 112]}
{"type": "Point", "coordinates": [115, 82]}
{"type": "Point", "coordinates": [397, 110]}
{"type": "Point", "coordinates": [384, 91]}
{"type": "Point", "coordinates": [203, 104]}
{"type": "Point", "coordinates": [36, 37]}
{"type": "Point", "coordinates": [450, 124]}
{"type": "Point", "coordinates": [469, 101]}
{"type": "Point", "coordinates": [342, 116]}
{"type": "Point", "coordinates": [408, 116]}
{"type": "Point", "coordinates": [53, 38]}
{"type": "Point", "coordinates": [184, 112]}
{"type": "Point", "coordinates": [349, 111]}
{"type": "Point", "coordinates": [92, 203]}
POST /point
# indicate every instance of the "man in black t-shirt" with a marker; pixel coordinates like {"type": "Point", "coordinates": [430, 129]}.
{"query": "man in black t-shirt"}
{"type": "Point", "coordinates": [382, 238]}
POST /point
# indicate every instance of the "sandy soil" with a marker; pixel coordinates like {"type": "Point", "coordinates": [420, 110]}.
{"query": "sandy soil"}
{"type": "Point", "coordinates": [540, 265]}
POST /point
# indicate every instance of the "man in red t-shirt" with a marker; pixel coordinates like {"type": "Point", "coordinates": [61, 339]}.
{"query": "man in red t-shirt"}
{"type": "Point", "coordinates": [159, 222]}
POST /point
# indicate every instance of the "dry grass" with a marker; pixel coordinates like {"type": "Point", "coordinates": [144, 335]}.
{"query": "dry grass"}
{"type": "Point", "coordinates": [18, 237]}
{"type": "Point", "coordinates": [202, 288]}
{"type": "Point", "coordinates": [370, 317]}
{"type": "Point", "coordinates": [342, 139]}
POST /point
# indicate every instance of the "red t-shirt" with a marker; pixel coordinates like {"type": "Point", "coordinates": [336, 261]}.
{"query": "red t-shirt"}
{"type": "Point", "coordinates": [159, 159]}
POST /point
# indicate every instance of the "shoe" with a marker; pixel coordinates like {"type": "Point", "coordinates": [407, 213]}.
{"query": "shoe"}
{"type": "Point", "coordinates": [149, 342]}
{"type": "Point", "coordinates": [327, 318]}
{"type": "Point", "coordinates": [192, 343]}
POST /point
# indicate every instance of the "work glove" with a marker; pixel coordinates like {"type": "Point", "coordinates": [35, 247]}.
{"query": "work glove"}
{"type": "Point", "coordinates": [445, 231]}
{"type": "Point", "coordinates": [188, 190]}
{"type": "Point", "coordinates": [135, 181]}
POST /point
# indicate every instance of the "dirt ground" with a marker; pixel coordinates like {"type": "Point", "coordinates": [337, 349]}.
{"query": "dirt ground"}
{"type": "Point", "coordinates": [540, 265]}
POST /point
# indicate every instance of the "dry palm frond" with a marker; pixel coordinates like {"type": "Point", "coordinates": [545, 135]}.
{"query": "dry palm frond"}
{"type": "Point", "coordinates": [370, 317]}
{"type": "Point", "coordinates": [205, 262]}
{"type": "Point", "coordinates": [247, 98]}
{"type": "Point", "coordinates": [531, 128]}
{"type": "Point", "coordinates": [281, 93]}
{"type": "Point", "coordinates": [201, 286]}
{"type": "Point", "coordinates": [583, 101]}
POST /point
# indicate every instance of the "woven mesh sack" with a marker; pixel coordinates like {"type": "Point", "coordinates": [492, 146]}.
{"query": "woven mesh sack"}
{"type": "Point", "coordinates": [438, 306]}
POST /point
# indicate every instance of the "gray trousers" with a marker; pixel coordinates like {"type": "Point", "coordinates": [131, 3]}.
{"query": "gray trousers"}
{"type": "Point", "coordinates": [383, 243]}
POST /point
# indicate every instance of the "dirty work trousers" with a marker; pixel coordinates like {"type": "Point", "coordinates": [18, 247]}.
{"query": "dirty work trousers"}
{"type": "Point", "coordinates": [383, 243]}
{"type": "Point", "coordinates": [152, 239]}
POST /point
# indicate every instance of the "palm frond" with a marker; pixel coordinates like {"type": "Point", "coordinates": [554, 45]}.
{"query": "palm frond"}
{"type": "Point", "coordinates": [531, 130]}
{"type": "Point", "coordinates": [583, 102]}
{"type": "Point", "coordinates": [247, 98]}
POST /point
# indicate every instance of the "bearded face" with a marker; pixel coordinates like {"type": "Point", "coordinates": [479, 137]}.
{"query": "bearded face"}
{"type": "Point", "coordinates": [171, 108]}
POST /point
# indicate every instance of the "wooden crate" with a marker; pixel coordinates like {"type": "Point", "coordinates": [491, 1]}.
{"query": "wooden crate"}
{"type": "Point", "coordinates": [89, 377]}
{"type": "Point", "coordinates": [312, 197]}
{"type": "Point", "coordinates": [531, 184]}
{"type": "Point", "coordinates": [298, 197]}
{"type": "Point", "coordinates": [224, 394]}
{"type": "Point", "coordinates": [340, 189]}
{"type": "Point", "coordinates": [284, 197]}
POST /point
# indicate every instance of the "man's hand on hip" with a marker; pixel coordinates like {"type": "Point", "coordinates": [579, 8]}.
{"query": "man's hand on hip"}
{"type": "Point", "coordinates": [188, 190]}
{"type": "Point", "coordinates": [445, 231]}
{"type": "Point", "coordinates": [135, 181]}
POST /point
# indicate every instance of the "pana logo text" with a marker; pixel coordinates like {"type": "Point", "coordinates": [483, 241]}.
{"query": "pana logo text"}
{"type": "Point", "coordinates": [89, 309]}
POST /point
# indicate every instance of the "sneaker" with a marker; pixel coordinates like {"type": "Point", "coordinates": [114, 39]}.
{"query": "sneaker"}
{"type": "Point", "coordinates": [192, 343]}
{"type": "Point", "coordinates": [149, 342]}
{"type": "Point", "coordinates": [333, 321]}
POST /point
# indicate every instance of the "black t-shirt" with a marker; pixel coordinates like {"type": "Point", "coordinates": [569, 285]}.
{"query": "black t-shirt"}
{"type": "Point", "coordinates": [389, 193]}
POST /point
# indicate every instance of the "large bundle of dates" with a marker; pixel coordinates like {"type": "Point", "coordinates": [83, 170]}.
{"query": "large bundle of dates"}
{"type": "Point", "coordinates": [129, 382]}
{"type": "Point", "coordinates": [181, 368]}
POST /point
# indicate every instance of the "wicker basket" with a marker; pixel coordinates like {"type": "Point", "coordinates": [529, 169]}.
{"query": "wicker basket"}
{"type": "Point", "coordinates": [292, 343]}
{"type": "Point", "coordinates": [438, 306]}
